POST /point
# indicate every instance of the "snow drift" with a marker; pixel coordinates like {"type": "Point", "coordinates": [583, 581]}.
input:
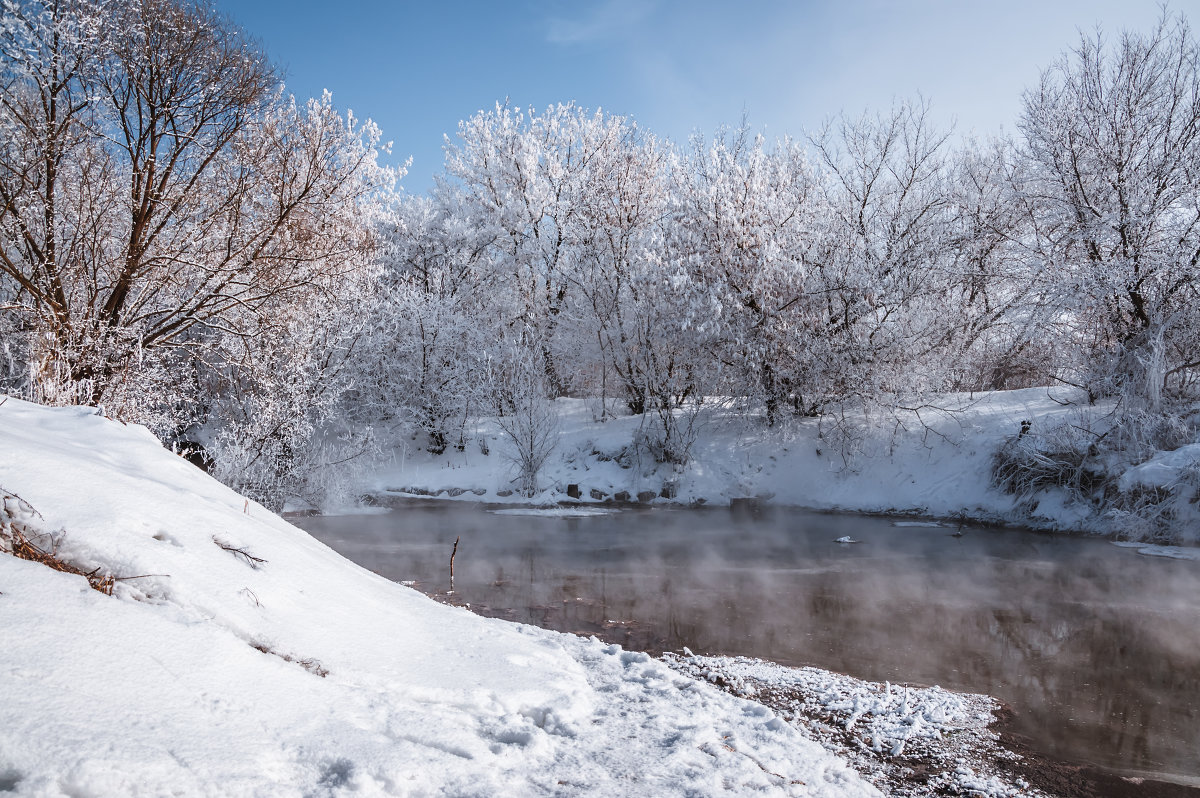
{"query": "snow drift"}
{"type": "Point", "coordinates": [238, 656]}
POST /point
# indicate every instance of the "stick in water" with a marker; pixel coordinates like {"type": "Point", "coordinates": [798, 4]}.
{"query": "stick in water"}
{"type": "Point", "coordinates": [452, 553]}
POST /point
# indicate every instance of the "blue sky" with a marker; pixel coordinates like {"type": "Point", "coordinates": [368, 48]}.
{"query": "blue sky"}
{"type": "Point", "coordinates": [676, 67]}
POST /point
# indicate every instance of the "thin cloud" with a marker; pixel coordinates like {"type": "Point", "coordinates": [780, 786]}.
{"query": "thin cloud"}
{"type": "Point", "coordinates": [601, 21]}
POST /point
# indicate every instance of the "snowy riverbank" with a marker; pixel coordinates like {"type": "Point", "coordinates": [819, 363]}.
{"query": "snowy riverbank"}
{"type": "Point", "coordinates": [933, 462]}
{"type": "Point", "coordinates": [238, 656]}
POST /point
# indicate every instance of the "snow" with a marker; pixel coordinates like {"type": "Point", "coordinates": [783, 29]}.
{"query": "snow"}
{"type": "Point", "coordinates": [886, 728]}
{"type": "Point", "coordinates": [553, 512]}
{"type": "Point", "coordinates": [1164, 468]}
{"type": "Point", "coordinates": [942, 471]}
{"type": "Point", "coordinates": [238, 656]}
{"type": "Point", "coordinates": [1152, 550]}
{"type": "Point", "coordinates": [937, 466]}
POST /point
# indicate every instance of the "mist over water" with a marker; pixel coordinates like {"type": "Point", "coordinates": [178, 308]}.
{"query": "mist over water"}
{"type": "Point", "coordinates": [1095, 648]}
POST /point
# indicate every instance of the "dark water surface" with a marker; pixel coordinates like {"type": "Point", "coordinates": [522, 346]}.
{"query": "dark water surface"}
{"type": "Point", "coordinates": [1095, 648]}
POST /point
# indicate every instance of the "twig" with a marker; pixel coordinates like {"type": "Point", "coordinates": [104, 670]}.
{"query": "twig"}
{"type": "Point", "coordinates": [452, 553]}
{"type": "Point", "coordinates": [25, 549]}
{"type": "Point", "coordinates": [8, 492]}
{"type": "Point", "coordinates": [139, 576]}
{"type": "Point", "coordinates": [251, 560]}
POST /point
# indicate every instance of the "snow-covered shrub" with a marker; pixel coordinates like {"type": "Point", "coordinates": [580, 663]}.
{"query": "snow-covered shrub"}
{"type": "Point", "coordinates": [527, 418]}
{"type": "Point", "coordinates": [275, 426]}
{"type": "Point", "coordinates": [292, 462]}
{"type": "Point", "coordinates": [1159, 500]}
{"type": "Point", "coordinates": [661, 446]}
{"type": "Point", "coordinates": [1136, 436]}
{"type": "Point", "coordinates": [111, 371]}
{"type": "Point", "coordinates": [1061, 456]}
{"type": "Point", "coordinates": [1139, 470]}
{"type": "Point", "coordinates": [668, 434]}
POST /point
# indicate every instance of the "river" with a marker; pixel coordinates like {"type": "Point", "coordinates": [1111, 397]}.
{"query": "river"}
{"type": "Point", "coordinates": [1095, 648]}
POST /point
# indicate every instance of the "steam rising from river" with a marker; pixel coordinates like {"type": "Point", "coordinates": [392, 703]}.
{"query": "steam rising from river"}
{"type": "Point", "coordinates": [1095, 647]}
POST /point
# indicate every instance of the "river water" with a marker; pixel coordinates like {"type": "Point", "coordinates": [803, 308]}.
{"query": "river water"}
{"type": "Point", "coordinates": [1095, 648]}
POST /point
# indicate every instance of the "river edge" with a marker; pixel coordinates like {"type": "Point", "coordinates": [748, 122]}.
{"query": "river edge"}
{"type": "Point", "coordinates": [931, 467]}
{"type": "Point", "coordinates": [979, 755]}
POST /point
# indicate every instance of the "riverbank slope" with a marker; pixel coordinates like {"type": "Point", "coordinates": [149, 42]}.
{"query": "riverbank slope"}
{"type": "Point", "coordinates": [236, 656]}
{"type": "Point", "coordinates": [936, 460]}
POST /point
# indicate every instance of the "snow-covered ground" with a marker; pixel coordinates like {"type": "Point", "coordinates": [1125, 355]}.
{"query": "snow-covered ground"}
{"type": "Point", "coordinates": [238, 656]}
{"type": "Point", "coordinates": [910, 741]}
{"type": "Point", "coordinates": [933, 462]}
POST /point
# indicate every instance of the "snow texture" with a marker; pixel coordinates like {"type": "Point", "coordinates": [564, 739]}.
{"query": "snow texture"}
{"type": "Point", "coordinates": [1164, 468]}
{"type": "Point", "coordinates": [238, 657]}
{"type": "Point", "coordinates": [928, 466]}
{"type": "Point", "coordinates": [935, 467]}
{"type": "Point", "coordinates": [890, 731]}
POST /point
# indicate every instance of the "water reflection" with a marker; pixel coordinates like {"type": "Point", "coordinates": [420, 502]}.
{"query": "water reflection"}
{"type": "Point", "coordinates": [1093, 646]}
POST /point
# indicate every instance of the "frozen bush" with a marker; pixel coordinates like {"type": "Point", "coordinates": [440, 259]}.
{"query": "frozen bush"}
{"type": "Point", "coordinates": [1061, 456]}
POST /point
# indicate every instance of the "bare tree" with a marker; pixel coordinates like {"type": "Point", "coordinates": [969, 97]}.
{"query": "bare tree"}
{"type": "Point", "coordinates": [527, 418]}
{"type": "Point", "coordinates": [883, 267]}
{"type": "Point", "coordinates": [177, 193]}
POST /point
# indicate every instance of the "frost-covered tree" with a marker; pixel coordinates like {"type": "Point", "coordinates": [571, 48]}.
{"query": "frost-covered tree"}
{"type": "Point", "coordinates": [431, 326]}
{"type": "Point", "coordinates": [1111, 143]}
{"type": "Point", "coordinates": [885, 266]}
{"type": "Point", "coordinates": [522, 175]}
{"type": "Point", "coordinates": [621, 209]}
{"type": "Point", "coordinates": [160, 192]}
{"type": "Point", "coordinates": [746, 221]}
{"type": "Point", "coordinates": [999, 330]}
{"type": "Point", "coordinates": [279, 420]}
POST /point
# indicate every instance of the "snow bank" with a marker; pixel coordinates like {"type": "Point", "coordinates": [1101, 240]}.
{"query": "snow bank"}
{"type": "Point", "coordinates": [1164, 468]}
{"type": "Point", "coordinates": [238, 656]}
{"type": "Point", "coordinates": [935, 463]}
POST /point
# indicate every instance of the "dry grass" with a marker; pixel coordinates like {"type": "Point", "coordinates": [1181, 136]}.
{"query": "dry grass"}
{"type": "Point", "coordinates": [24, 548]}
{"type": "Point", "coordinates": [21, 539]}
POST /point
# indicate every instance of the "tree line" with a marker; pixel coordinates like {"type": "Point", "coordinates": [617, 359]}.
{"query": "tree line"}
{"type": "Point", "coordinates": [192, 248]}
